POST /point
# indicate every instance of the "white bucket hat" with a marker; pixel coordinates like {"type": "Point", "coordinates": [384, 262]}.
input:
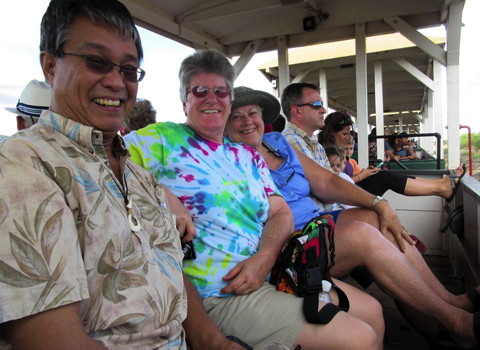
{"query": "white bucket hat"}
{"type": "Point", "coordinates": [34, 99]}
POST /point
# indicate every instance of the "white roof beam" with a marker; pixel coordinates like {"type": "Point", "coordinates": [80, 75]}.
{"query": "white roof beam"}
{"type": "Point", "coordinates": [418, 39]}
{"type": "Point", "coordinates": [163, 24]}
{"type": "Point", "coordinates": [209, 10]}
{"type": "Point", "coordinates": [300, 76]}
{"type": "Point", "coordinates": [246, 56]}
{"type": "Point", "coordinates": [417, 74]}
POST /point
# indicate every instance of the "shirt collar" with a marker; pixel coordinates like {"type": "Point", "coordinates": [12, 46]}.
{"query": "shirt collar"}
{"type": "Point", "coordinates": [85, 136]}
{"type": "Point", "coordinates": [301, 133]}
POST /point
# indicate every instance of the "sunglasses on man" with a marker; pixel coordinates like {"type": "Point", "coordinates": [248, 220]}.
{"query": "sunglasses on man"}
{"type": "Point", "coordinates": [315, 104]}
{"type": "Point", "coordinates": [201, 91]}
{"type": "Point", "coordinates": [100, 65]}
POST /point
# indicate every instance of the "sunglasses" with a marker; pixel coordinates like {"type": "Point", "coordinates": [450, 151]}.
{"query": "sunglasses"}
{"type": "Point", "coordinates": [201, 91]}
{"type": "Point", "coordinates": [100, 65]}
{"type": "Point", "coordinates": [315, 104]}
{"type": "Point", "coordinates": [340, 125]}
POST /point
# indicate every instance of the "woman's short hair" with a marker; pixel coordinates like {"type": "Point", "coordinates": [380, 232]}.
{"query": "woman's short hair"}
{"type": "Point", "coordinates": [205, 61]}
{"type": "Point", "coordinates": [334, 122]}
{"type": "Point", "coordinates": [60, 14]}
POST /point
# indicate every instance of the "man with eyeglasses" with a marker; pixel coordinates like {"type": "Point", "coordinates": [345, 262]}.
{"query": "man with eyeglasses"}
{"type": "Point", "coordinates": [90, 257]}
{"type": "Point", "coordinates": [304, 110]}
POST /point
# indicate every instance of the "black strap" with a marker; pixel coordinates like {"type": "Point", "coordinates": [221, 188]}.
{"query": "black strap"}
{"type": "Point", "coordinates": [328, 311]}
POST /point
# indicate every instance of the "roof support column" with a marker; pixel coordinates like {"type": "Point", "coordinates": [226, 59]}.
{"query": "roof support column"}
{"type": "Point", "coordinates": [429, 143]}
{"type": "Point", "coordinates": [283, 68]}
{"type": "Point", "coordinates": [454, 23]}
{"type": "Point", "coordinates": [322, 80]}
{"type": "Point", "coordinates": [362, 97]}
{"type": "Point", "coordinates": [379, 109]}
{"type": "Point", "coordinates": [437, 103]}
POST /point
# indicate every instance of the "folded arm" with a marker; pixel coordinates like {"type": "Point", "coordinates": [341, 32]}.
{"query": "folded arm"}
{"type": "Point", "coordinates": [326, 185]}
{"type": "Point", "coordinates": [250, 274]}
{"type": "Point", "coordinates": [183, 218]}
{"type": "Point", "coordinates": [200, 330]}
{"type": "Point", "coordinates": [59, 328]}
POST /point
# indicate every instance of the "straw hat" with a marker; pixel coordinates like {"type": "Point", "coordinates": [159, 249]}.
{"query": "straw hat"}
{"type": "Point", "coordinates": [268, 103]}
{"type": "Point", "coordinates": [33, 100]}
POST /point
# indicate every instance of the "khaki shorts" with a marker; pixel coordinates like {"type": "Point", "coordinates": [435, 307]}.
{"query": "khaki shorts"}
{"type": "Point", "coordinates": [258, 318]}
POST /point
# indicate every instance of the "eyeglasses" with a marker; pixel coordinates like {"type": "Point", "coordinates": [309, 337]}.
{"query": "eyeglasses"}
{"type": "Point", "coordinates": [286, 179]}
{"type": "Point", "coordinates": [315, 104]}
{"type": "Point", "coordinates": [341, 124]}
{"type": "Point", "coordinates": [100, 65]}
{"type": "Point", "coordinates": [201, 91]}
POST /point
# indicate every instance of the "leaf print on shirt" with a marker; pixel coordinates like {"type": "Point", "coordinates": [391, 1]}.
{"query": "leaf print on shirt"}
{"type": "Point", "coordinates": [117, 279]}
{"type": "Point", "coordinates": [34, 263]}
{"type": "Point", "coordinates": [3, 210]}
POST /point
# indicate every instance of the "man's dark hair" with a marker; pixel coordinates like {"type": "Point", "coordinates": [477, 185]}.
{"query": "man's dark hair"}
{"type": "Point", "coordinates": [292, 95]}
{"type": "Point", "coordinates": [141, 115]}
{"type": "Point", "coordinates": [60, 14]}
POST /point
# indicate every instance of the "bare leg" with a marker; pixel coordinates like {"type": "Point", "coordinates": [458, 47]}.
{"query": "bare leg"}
{"type": "Point", "coordinates": [364, 322]}
{"type": "Point", "coordinates": [423, 187]}
{"type": "Point", "coordinates": [413, 256]}
{"type": "Point", "coordinates": [360, 244]}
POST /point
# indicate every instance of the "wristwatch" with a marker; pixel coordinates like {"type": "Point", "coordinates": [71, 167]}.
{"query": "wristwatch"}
{"type": "Point", "coordinates": [376, 201]}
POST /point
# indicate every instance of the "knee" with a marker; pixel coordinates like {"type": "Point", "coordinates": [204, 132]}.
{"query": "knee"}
{"type": "Point", "coordinates": [367, 339]}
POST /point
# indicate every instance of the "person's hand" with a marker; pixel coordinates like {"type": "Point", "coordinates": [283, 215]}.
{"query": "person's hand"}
{"type": "Point", "coordinates": [247, 276]}
{"type": "Point", "coordinates": [388, 220]}
{"type": "Point", "coordinates": [183, 219]}
{"type": "Point", "coordinates": [367, 172]}
{"type": "Point", "coordinates": [184, 223]}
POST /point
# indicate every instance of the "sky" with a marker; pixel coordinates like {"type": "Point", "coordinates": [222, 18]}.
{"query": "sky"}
{"type": "Point", "coordinates": [20, 59]}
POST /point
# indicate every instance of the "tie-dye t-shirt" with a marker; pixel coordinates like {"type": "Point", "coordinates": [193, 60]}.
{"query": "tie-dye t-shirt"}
{"type": "Point", "coordinates": [225, 188]}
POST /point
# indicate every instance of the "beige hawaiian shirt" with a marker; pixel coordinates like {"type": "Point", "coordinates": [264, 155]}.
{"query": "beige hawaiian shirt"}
{"type": "Point", "coordinates": [65, 237]}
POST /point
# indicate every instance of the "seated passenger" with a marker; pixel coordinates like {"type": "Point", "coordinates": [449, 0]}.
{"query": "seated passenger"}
{"type": "Point", "coordinates": [34, 99]}
{"type": "Point", "coordinates": [336, 157]}
{"type": "Point", "coordinates": [402, 149]}
{"type": "Point", "coordinates": [89, 254]}
{"type": "Point", "coordinates": [242, 221]}
{"type": "Point", "coordinates": [141, 115]}
{"type": "Point", "coordinates": [304, 110]}
{"type": "Point", "coordinates": [405, 277]}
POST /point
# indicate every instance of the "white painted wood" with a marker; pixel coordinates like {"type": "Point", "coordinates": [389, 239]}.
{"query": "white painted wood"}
{"type": "Point", "coordinates": [379, 109]}
{"type": "Point", "coordinates": [438, 110]}
{"type": "Point", "coordinates": [322, 79]}
{"type": "Point", "coordinates": [246, 56]}
{"type": "Point", "coordinates": [429, 143]}
{"type": "Point", "coordinates": [414, 72]}
{"type": "Point", "coordinates": [163, 23]}
{"type": "Point", "coordinates": [454, 23]}
{"type": "Point", "coordinates": [362, 96]}
{"type": "Point", "coordinates": [417, 38]}
{"type": "Point", "coordinates": [300, 76]}
{"type": "Point", "coordinates": [283, 68]}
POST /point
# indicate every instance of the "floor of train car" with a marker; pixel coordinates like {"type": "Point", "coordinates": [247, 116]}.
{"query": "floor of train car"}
{"type": "Point", "coordinates": [400, 334]}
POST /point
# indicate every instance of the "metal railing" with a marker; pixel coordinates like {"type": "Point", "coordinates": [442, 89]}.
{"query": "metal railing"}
{"type": "Point", "coordinates": [430, 134]}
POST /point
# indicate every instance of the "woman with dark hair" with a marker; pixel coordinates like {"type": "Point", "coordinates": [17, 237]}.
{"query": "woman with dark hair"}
{"type": "Point", "coordinates": [337, 130]}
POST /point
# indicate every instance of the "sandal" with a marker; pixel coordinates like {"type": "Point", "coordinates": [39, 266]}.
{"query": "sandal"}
{"type": "Point", "coordinates": [455, 184]}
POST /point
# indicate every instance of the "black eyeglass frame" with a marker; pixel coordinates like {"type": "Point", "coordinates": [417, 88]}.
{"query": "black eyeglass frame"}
{"type": "Point", "coordinates": [139, 72]}
{"type": "Point", "coordinates": [277, 154]}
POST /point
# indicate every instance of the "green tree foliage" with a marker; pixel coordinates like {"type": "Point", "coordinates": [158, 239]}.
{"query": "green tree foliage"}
{"type": "Point", "coordinates": [475, 141]}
